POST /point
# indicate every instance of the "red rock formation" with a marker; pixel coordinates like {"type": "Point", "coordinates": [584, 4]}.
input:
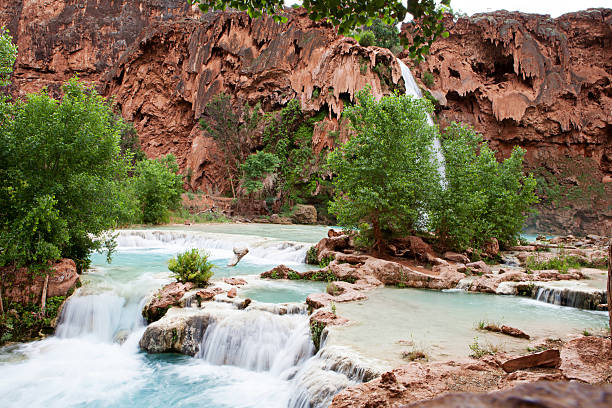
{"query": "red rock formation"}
{"type": "Point", "coordinates": [542, 83]}
{"type": "Point", "coordinates": [27, 287]}
{"type": "Point", "coordinates": [546, 85]}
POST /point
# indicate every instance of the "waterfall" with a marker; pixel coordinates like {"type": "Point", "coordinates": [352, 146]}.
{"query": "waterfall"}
{"type": "Point", "coordinates": [412, 89]}
{"type": "Point", "coordinates": [220, 246]}
{"type": "Point", "coordinates": [573, 297]}
{"type": "Point", "coordinates": [258, 341]}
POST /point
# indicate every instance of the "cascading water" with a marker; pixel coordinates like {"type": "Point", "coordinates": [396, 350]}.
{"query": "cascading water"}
{"type": "Point", "coordinates": [94, 359]}
{"type": "Point", "coordinates": [412, 89]}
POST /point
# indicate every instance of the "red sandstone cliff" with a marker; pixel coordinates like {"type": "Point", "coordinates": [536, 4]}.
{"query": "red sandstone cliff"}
{"type": "Point", "coordinates": [520, 79]}
{"type": "Point", "coordinates": [546, 85]}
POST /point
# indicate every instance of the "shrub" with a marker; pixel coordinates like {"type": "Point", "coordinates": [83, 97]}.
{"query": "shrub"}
{"type": "Point", "coordinates": [312, 256]}
{"type": "Point", "coordinates": [428, 79]}
{"type": "Point", "coordinates": [8, 55]}
{"type": "Point", "coordinates": [256, 168]}
{"type": "Point", "coordinates": [158, 188]}
{"type": "Point", "coordinates": [367, 38]}
{"type": "Point", "coordinates": [385, 175]}
{"type": "Point", "coordinates": [191, 266]}
{"type": "Point", "coordinates": [562, 263]}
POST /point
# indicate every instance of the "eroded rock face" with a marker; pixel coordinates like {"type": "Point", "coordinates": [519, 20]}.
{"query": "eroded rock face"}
{"type": "Point", "coordinates": [543, 84]}
{"type": "Point", "coordinates": [27, 287]}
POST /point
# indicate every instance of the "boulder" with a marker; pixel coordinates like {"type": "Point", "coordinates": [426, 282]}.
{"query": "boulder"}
{"type": "Point", "coordinates": [479, 266]}
{"type": "Point", "coordinates": [239, 253]}
{"type": "Point", "coordinates": [168, 296]}
{"type": "Point", "coordinates": [327, 318]}
{"type": "Point", "coordinates": [304, 214]}
{"type": "Point", "coordinates": [547, 358]}
{"type": "Point", "coordinates": [278, 272]}
{"type": "Point", "coordinates": [232, 293]}
{"type": "Point", "coordinates": [455, 257]}
{"type": "Point", "coordinates": [179, 331]}
{"type": "Point", "coordinates": [491, 248]}
{"type": "Point", "coordinates": [235, 281]}
{"type": "Point", "coordinates": [514, 332]}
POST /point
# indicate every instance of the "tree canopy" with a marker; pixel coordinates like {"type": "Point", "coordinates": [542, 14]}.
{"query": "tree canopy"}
{"type": "Point", "coordinates": [348, 14]}
{"type": "Point", "coordinates": [385, 175]}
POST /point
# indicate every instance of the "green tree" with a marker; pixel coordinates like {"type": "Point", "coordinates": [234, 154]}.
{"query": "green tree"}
{"type": "Point", "coordinates": [255, 169]}
{"type": "Point", "coordinates": [386, 174]}
{"type": "Point", "coordinates": [483, 198]}
{"type": "Point", "coordinates": [158, 188]}
{"type": "Point", "coordinates": [348, 14]}
{"type": "Point", "coordinates": [60, 175]}
{"type": "Point", "coordinates": [8, 55]}
{"type": "Point", "coordinates": [379, 34]}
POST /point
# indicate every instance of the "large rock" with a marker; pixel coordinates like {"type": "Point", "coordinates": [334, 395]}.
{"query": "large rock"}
{"type": "Point", "coordinates": [239, 253]}
{"type": "Point", "coordinates": [24, 286]}
{"type": "Point", "coordinates": [304, 214]}
{"type": "Point", "coordinates": [168, 296]}
{"type": "Point", "coordinates": [179, 331]}
{"type": "Point", "coordinates": [548, 358]}
{"type": "Point", "coordinates": [587, 359]}
{"type": "Point", "coordinates": [543, 394]}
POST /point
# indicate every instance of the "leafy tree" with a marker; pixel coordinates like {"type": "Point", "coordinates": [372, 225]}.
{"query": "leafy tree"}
{"type": "Point", "coordinates": [192, 266]}
{"type": "Point", "coordinates": [8, 55]}
{"type": "Point", "coordinates": [60, 175]}
{"type": "Point", "coordinates": [232, 130]}
{"type": "Point", "coordinates": [379, 34]}
{"type": "Point", "coordinates": [348, 14]}
{"type": "Point", "coordinates": [483, 198]}
{"type": "Point", "coordinates": [256, 167]}
{"type": "Point", "coordinates": [386, 174]}
{"type": "Point", "coordinates": [158, 188]}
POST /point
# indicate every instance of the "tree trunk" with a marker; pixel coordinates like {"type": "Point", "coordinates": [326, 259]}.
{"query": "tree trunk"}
{"type": "Point", "coordinates": [609, 291]}
{"type": "Point", "coordinates": [1, 304]}
{"type": "Point", "coordinates": [43, 298]}
{"type": "Point", "coordinates": [378, 238]}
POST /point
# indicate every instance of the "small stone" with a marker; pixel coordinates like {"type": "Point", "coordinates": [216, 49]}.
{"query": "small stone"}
{"type": "Point", "coordinates": [232, 293]}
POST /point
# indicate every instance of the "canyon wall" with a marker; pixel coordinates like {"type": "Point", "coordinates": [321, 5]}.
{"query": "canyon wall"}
{"type": "Point", "coordinates": [543, 84]}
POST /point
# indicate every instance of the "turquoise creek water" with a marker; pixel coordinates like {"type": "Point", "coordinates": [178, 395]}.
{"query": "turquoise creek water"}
{"type": "Point", "coordinates": [247, 358]}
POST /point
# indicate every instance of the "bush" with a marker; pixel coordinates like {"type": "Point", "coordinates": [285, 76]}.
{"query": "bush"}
{"type": "Point", "coordinates": [483, 198]}
{"type": "Point", "coordinates": [60, 176]}
{"type": "Point", "coordinates": [428, 79]}
{"type": "Point", "coordinates": [367, 38]}
{"type": "Point", "coordinates": [158, 188]}
{"type": "Point", "coordinates": [256, 168]}
{"type": "Point", "coordinates": [191, 266]}
{"type": "Point", "coordinates": [8, 55]}
{"type": "Point", "coordinates": [385, 175]}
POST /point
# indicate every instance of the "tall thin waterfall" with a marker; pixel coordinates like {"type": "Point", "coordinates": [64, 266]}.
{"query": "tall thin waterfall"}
{"type": "Point", "coordinates": [412, 89]}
